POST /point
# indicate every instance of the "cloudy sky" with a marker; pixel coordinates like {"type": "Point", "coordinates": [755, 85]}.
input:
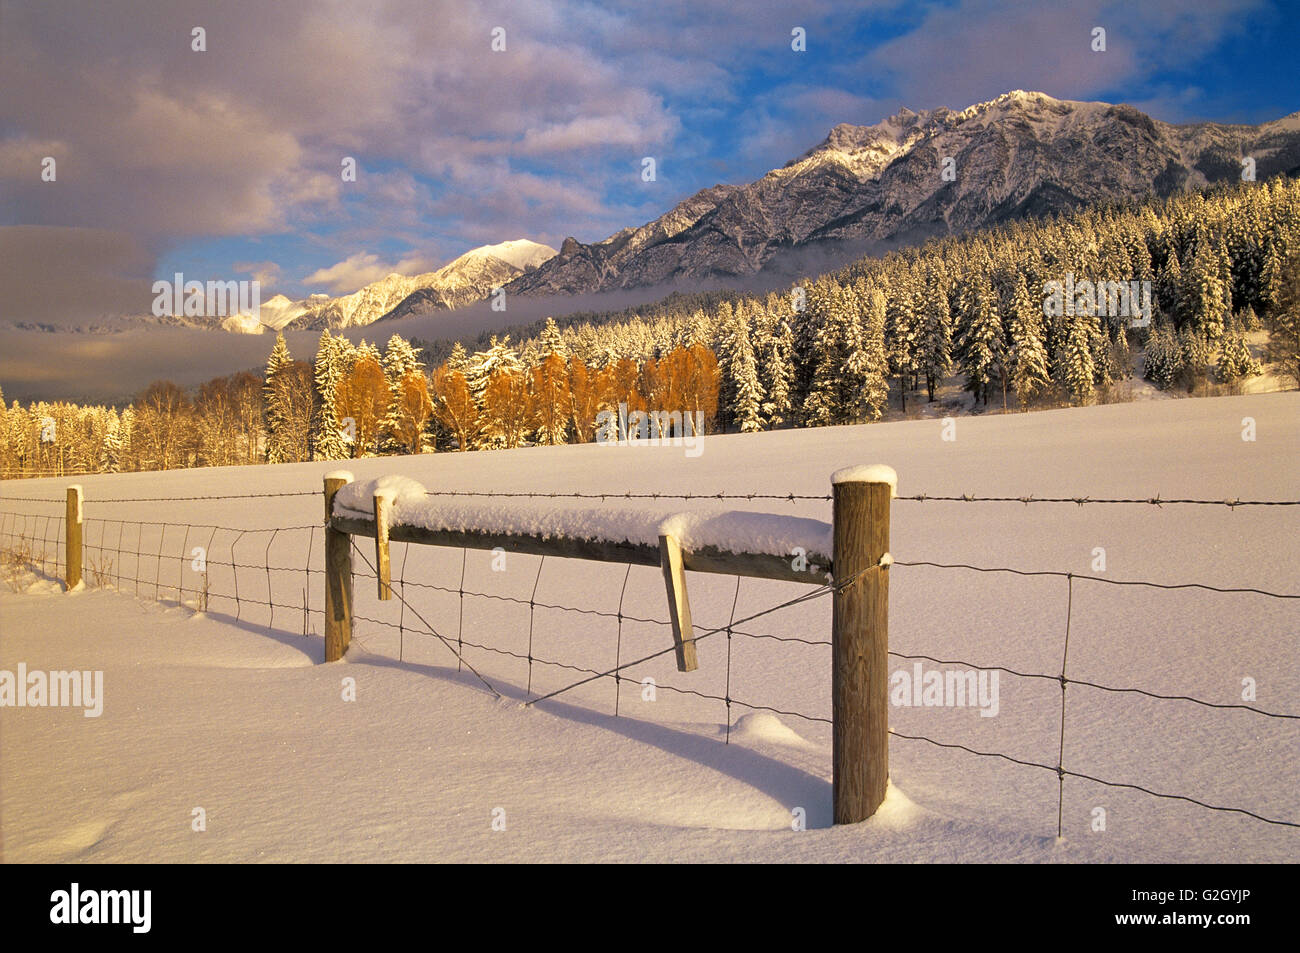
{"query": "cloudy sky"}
{"type": "Point", "coordinates": [226, 163]}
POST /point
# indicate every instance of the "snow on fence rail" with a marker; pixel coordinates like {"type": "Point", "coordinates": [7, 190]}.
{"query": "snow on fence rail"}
{"type": "Point", "coordinates": [746, 544]}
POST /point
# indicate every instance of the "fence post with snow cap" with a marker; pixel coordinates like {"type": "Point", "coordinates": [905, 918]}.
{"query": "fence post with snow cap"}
{"type": "Point", "coordinates": [73, 537]}
{"type": "Point", "coordinates": [860, 640]}
{"type": "Point", "coordinates": [338, 574]}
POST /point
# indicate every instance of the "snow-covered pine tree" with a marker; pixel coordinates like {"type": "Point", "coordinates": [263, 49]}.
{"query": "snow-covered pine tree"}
{"type": "Point", "coordinates": [1164, 359]}
{"type": "Point", "coordinates": [843, 372]}
{"type": "Point", "coordinates": [902, 330]}
{"type": "Point", "coordinates": [777, 374]}
{"type": "Point", "coordinates": [742, 394]}
{"type": "Point", "coordinates": [1028, 358]}
{"type": "Point", "coordinates": [1284, 321]}
{"type": "Point", "coordinates": [1196, 353]}
{"type": "Point", "coordinates": [273, 410]}
{"type": "Point", "coordinates": [1271, 279]}
{"type": "Point", "coordinates": [867, 369]}
{"type": "Point", "coordinates": [551, 341]}
{"type": "Point", "coordinates": [1202, 293]}
{"type": "Point", "coordinates": [1103, 373]}
{"type": "Point", "coordinates": [934, 345]}
{"type": "Point", "coordinates": [982, 345]}
{"type": "Point", "coordinates": [1075, 364]}
{"type": "Point", "coordinates": [126, 433]}
{"type": "Point", "coordinates": [807, 327]}
{"type": "Point", "coordinates": [409, 408]}
{"type": "Point", "coordinates": [110, 460]}
{"type": "Point", "coordinates": [332, 363]}
{"type": "Point", "coordinates": [1235, 362]}
{"type": "Point", "coordinates": [399, 360]}
{"type": "Point", "coordinates": [1169, 283]}
{"type": "Point", "coordinates": [503, 415]}
{"type": "Point", "coordinates": [458, 360]}
{"type": "Point", "coordinates": [499, 357]}
{"type": "Point", "coordinates": [367, 350]}
{"type": "Point", "coordinates": [1121, 356]}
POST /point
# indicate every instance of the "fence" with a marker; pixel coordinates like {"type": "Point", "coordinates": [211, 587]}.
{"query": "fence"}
{"type": "Point", "coordinates": [196, 565]}
{"type": "Point", "coordinates": [858, 620]}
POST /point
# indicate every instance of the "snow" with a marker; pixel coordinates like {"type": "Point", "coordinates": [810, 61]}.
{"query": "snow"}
{"type": "Point", "coordinates": [747, 532]}
{"type": "Point", "coordinates": [735, 531]}
{"type": "Point", "coordinates": [519, 252]}
{"type": "Point", "coordinates": [238, 715]}
{"type": "Point", "coordinates": [358, 498]}
{"type": "Point", "coordinates": [243, 323]}
{"type": "Point", "coordinates": [871, 473]}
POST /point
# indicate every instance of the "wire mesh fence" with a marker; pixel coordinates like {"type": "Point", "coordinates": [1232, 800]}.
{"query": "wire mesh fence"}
{"type": "Point", "coordinates": [598, 637]}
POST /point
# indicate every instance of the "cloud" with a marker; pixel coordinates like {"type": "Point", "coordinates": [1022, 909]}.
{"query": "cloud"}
{"type": "Point", "coordinates": [265, 273]}
{"type": "Point", "coordinates": [66, 276]}
{"type": "Point", "coordinates": [977, 49]}
{"type": "Point", "coordinates": [457, 145]}
{"type": "Point", "coordinates": [362, 269]}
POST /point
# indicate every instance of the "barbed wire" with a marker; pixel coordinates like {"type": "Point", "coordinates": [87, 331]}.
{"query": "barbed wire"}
{"type": "Point", "coordinates": [1102, 579]}
{"type": "Point", "coordinates": [826, 497]}
{"type": "Point", "coordinates": [791, 497]}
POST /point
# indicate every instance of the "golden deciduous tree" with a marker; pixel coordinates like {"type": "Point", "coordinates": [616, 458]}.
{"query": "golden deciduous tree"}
{"type": "Point", "coordinates": [589, 394]}
{"type": "Point", "coordinates": [411, 409]}
{"type": "Point", "coordinates": [551, 399]}
{"type": "Point", "coordinates": [624, 384]}
{"type": "Point", "coordinates": [507, 410]}
{"type": "Point", "coordinates": [699, 380]}
{"type": "Point", "coordinates": [164, 421]}
{"type": "Point", "coordinates": [362, 397]}
{"type": "Point", "coordinates": [454, 407]}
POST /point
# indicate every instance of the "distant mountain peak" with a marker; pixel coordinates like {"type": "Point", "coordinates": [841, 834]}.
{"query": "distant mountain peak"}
{"type": "Point", "coordinates": [1022, 154]}
{"type": "Point", "coordinates": [466, 279]}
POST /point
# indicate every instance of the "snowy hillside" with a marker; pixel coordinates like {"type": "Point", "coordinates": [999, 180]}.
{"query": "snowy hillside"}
{"type": "Point", "coordinates": [231, 711]}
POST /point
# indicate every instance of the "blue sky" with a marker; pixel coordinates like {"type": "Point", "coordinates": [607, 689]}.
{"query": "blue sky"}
{"type": "Point", "coordinates": [225, 163]}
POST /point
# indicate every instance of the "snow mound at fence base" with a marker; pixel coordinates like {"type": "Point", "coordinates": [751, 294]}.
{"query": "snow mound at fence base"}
{"type": "Point", "coordinates": [732, 531]}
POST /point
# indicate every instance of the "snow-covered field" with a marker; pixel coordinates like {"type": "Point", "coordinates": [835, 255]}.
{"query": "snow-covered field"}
{"type": "Point", "coordinates": [236, 715]}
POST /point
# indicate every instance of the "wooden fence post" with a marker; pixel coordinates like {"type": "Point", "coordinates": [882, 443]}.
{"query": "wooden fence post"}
{"type": "Point", "coordinates": [73, 537]}
{"type": "Point", "coordinates": [338, 575]}
{"type": "Point", "coordinates": [860, 641]}
{"type": "Point", "coordinates": [383, 571]}
{"type": "Point", "coordinates": [679, 605]}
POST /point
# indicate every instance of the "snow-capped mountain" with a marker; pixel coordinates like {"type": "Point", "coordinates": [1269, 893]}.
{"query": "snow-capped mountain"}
{"type": "Point", "coordinates": [1022, 154]}
{"type": "Point", "coordinates": [469, 278]}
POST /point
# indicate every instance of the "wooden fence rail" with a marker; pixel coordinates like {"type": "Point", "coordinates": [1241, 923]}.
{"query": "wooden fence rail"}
{"type": "Point", "coordinates": [857, 565]}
